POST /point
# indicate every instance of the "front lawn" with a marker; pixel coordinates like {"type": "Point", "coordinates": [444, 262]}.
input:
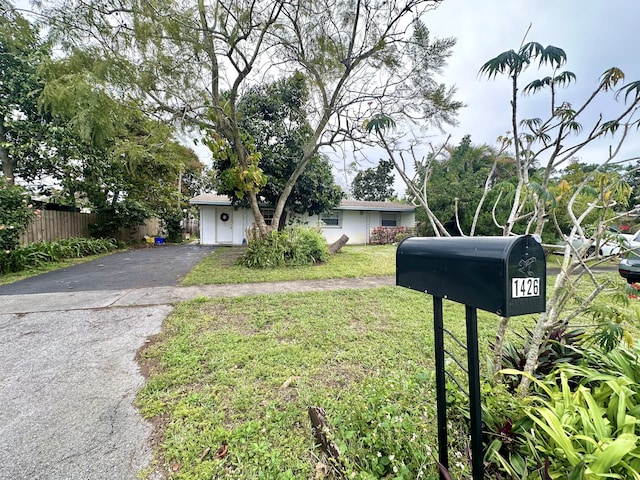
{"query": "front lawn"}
{"type": "Point", "coordinates": [242, 372]}
{"type": "Point", "coordinates": [230, 380]}
{"type": "Point", "coordinates": [236, 376]}
{"type": "Point", "coordinates": [350, 262]}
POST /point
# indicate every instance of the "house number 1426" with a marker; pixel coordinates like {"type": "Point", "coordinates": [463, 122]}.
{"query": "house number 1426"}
{"type": "Point", "coordinates": [525, 287]}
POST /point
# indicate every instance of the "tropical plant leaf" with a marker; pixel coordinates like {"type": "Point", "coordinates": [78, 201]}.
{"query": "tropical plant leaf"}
{"type": "Point", "coordinates": [613, 454]}
{"type": "Point", "coordinates": [508, 62]}
{"type": "Point", "coordinates": [630, 88]}
{"type": "Point", "coordinates": [378, 123]}
{"type": "Point", "coordinates": [610, 78]}
{"type": "Point", "coordinates": [564, 78]}
{"type": "Point", "coordinates": [537, 85]}
{"type": "Point", "coordinates": [554, 56]}
{"type": "Point", "coordinates": [610, 127]}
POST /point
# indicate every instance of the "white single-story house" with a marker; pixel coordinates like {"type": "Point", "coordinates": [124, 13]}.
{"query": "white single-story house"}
{"type": "Point", "coordinates": [223, 224]}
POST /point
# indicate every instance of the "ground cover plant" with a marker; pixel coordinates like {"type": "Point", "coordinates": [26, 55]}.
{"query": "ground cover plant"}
{"type": "Point", "coordinates": [42, 256]}
{"type": "Point", "coordinates": [350, 262]}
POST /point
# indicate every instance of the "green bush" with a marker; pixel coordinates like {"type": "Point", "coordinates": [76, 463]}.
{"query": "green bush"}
{"type": "Point", "coordinates": [294, 246]}
{"type": "Point", "coordinates": [113, 217]}
{"type": "Point", "coordinates": [583, 422]}
{"type": "Point", "coordinates": [16, 213]}
{"type": "Point", "coordinates": [37, 254]}
{"type": "Point", "coordinates": [171, 220]}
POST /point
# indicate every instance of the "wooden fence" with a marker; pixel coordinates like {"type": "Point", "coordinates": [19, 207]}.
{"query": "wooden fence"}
{"type": "Point", "coordinates": [56, 225]}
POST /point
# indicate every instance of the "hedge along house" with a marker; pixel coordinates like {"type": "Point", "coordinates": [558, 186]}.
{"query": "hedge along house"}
{"type": "Point", "coordinates": [223, 224]}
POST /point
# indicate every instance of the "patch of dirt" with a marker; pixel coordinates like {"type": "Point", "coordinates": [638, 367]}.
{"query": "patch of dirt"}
{"type": "Point", "coordinates": [341, 375]}
{"type": "Point", "coordinates": [229, 255]}
{"type": "Point", "coordinates": [146, 365]}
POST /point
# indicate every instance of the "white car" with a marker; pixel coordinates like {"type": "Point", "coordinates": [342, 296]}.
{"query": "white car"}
{"type": "Point", "coordinates": [612, 243]}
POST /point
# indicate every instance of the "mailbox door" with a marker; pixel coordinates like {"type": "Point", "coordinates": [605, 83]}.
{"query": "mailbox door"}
{"type": "Point", "coordinates": [526, 278]}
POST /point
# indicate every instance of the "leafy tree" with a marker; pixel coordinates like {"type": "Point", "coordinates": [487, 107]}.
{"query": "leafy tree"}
{"type": "Point", "coordinates": [16, 213]}
{"type": "Point", "coordinates": [541, 147]}
{"type": "Point", "coordinates": [374, 184]}
{"type": "Point", "coordinates": [114, 157]}
{"type": "Point", "coordinates": [456, 183]}
{"type": "Point", "coordinates": [194, 63]}
{"type": "Point", "coordinates": [273, 116]}
{"type": "Point", "coordinates": [22, 127]}
{"type": "Point", "coordinates": [632, 177]}
{"type": "Point", "coordinates": [595, 183]}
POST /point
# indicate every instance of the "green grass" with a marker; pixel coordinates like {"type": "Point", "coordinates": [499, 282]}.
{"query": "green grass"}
{"type": "Point", "coordinates": [349, 262]}
{"type": "Point", "coordinates": [243, 372]}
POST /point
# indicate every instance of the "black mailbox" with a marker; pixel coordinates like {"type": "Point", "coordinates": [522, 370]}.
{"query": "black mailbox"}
{"type": "Point", "coordinates": [503, 275]}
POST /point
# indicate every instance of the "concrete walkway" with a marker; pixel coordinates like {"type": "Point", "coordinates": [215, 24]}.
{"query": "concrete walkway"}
{"type": "Point", "coordinates": [68, 376]}
{"type": "Point", "coordinates": [142, 297]}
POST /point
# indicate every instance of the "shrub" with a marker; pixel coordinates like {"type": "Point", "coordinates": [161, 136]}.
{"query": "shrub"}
{"type": "Point", "coordinates": [388, 235]}
{"type": "Point", "coordinates": [16, 213]}
{"type": "Point", "coordinates": [37, 254]}
{"type": "Point", "coordinates": [172, 223]}
{"type": "Point", "coordinates": [562, 347]}
{"type": "Point", "coordinates": [583, 422]}
{"type": "Point", "coordinates": [112, 217]}
{"type": "Point", "coordinates": [294, 246]}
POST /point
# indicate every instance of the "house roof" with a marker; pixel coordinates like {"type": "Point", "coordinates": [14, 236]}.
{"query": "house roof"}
{"type": "Point", "coordinates": [375, 206]}
{"type": "Point", "coordinates": [210, 199]}
{"type": "Point", "coordinates": [214, 199]}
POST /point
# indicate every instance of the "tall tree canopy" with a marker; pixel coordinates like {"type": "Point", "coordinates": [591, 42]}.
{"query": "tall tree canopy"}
{"type": "Point", "coordinates": [194, 61]}
{"type": "Point", "coordinates": [374, 184]}
{"type": "Point", "coordinates": [65, 132]}
{"type": "Point", "coordinates": [273, 117]}
{"type": "Point", "coordinates": [455, 182]}
{"type": "Point", "coordinates": [22, 127]}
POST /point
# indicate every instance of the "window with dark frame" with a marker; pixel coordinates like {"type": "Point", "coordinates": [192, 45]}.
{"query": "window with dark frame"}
{"type": "Point", "coordinates": [332, 218]}
{"type": "Point", "coordinates": [267, 213]}
{"type": "Point", "coordinates": [389, 219]}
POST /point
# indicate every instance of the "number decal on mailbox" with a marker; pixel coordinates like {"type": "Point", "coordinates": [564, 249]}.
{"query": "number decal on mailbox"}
{"type": "Point", "coordinates": [525, 287]}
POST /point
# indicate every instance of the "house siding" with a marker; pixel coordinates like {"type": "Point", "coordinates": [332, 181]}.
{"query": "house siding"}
{"type": "Point", "coordinates": [356, 223]}
{"type": "Point", "coordinates": [213, 231]}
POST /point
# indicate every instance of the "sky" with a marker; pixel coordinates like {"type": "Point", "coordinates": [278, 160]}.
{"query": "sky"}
{"type": "Point", "coordinates": [595, 34]}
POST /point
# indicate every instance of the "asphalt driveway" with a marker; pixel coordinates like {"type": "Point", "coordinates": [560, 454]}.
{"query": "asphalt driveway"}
{"type": "Point", "coordinates": [159, 266]}
{"type": "Point", "coordinates": [68, 375]}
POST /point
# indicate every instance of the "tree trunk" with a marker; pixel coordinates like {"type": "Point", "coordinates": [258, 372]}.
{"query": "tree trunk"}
{"type": "Point", "coordinates": [8, 165]}
{"type": "Point", "coordinates": [338, 244]}
{"type": "Point", "coordinates": [321, 432]}
{"type": "Point", "coordinates": [537, 337]}
{"type": "Point", "coordinates": [497, 354]}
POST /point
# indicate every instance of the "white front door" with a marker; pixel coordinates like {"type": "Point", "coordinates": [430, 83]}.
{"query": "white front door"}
{"type": "Point", "coordinates": [224, 223]}
{"type": "Point", "coordinates": [207, 225]}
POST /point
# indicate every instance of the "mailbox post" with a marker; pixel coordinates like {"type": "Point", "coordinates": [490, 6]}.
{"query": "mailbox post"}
{"type": "Point", "coordinates": [502, 275]}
